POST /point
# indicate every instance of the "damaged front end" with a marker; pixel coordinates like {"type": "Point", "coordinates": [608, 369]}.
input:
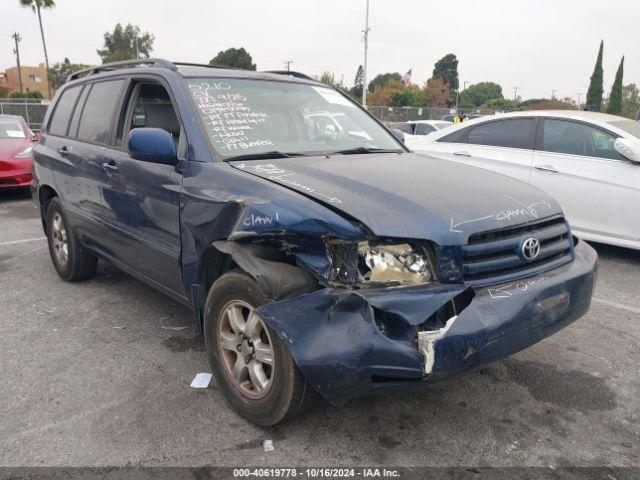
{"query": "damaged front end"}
{"type": "Point", "coordinates": [361, 314]}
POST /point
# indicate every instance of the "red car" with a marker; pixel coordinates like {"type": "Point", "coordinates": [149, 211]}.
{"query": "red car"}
{"type": "Point", "coordinates": [16, 144]}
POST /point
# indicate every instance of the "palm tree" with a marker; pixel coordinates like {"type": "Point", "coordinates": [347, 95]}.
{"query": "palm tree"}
{"type": "Point", "coordinates": [36, 6]}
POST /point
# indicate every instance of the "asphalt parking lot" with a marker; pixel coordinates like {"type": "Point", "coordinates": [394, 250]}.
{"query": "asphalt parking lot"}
{"type": "Point", "coordinates": [98, 374]}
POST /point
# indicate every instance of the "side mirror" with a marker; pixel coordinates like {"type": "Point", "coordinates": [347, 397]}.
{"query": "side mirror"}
{"type": "Point", "coordinates": [398, 134]}
{"type": "Point", "coordinates": [152, 145]}
{"type": "Point", "coordinates": [628, 148]}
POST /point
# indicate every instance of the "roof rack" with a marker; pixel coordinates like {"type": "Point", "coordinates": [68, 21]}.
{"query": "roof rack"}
{"type": "Point", "coordinates": [207, 65]}
{"type": "Point", "coordinates": [162, 63]}
{"type": "Point", "coordinates": [152, 62]}
{"type": "Point", "coordinates": [291, 73]}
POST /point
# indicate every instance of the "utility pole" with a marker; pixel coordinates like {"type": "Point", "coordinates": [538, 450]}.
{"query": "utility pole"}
{"type": "Point", "coordinates": [579, 97]}
{"type": "Point", "coordinates": [553, 94]}
{"type": "Point", "coordinates": [17, 39]}
{"type": "Point", "coordinates": [515, 94]}
{"type": "Point", "coordinates": [288, 64]}
{"type": "Point", "coordinates": [366, 48]}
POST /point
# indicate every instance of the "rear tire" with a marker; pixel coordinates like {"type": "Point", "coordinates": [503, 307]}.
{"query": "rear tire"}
{"type": "Point", "coordinates": [71, 260]}
{"type": "Point", "coordinates": [263, 393]}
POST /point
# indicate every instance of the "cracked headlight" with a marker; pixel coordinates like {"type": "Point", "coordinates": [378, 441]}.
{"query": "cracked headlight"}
{"type": "Point", "coordinates": [394, 263]}
{"type": "Point", "coordinates": [362, 262]}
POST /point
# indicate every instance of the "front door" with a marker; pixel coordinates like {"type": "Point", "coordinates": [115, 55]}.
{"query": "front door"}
{"type": "Point", "coordinates": [142, 201]}
{"type": "Point", "coordinates": [598, 189]}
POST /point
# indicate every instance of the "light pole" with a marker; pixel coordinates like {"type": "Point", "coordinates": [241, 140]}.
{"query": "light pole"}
{"type": "Point", "coordinates": [366, 48]}
{"type": "Point", "coordinates": [515, 94]}
{"type": "Point", "coordinates": [288, 64]}
{"type": "Point", "coordinates": [579, 98]}
{"type": "Point", "coordinates": [17, 38]}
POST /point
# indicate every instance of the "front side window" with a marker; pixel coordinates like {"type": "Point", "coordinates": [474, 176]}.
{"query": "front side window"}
{"type": "Point", "coordinates": [60, 119]}
{"type": "Point", "coordinates": [512, 133]}
{"type": "Point", "coordinates": [574, 138]}
{"type": "Point", "coordinates": [97, 113]}
{"type": "Point", "coordinates": [246, 117]}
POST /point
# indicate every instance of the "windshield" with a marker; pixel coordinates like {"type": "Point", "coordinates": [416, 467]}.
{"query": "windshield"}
{"type": "Point", "coordinates": [244, 117]}
{"type": "Point", "coordinates": [629, 126]}
{"type": "Point", "coordinates": [11, 129]}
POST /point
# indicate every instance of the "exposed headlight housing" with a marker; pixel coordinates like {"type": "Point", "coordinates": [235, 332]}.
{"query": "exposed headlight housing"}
{"type": "Point", "coordinates": [385, 263]}
{"type": "Point", "coordinates": [24, 153]}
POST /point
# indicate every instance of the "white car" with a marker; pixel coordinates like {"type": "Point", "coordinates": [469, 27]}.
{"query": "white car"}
{"type": "Point", "coordinates": [590, 162]}
{"type": "Point", "coordinates": [420, 127]}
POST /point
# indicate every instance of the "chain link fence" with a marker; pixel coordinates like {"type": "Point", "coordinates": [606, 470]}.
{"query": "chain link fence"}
{"type": "Point", "coordinates": [406, 114]}
{"type": "Point", "coordinates": [32, 111]}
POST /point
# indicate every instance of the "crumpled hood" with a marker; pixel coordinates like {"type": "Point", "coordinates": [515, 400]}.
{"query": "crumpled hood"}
{"type": "Point", "coordinates": [410, 196]}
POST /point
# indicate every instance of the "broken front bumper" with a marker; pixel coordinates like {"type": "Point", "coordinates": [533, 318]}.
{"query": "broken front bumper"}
{"type": "Point", "coordinates": [352, 342]}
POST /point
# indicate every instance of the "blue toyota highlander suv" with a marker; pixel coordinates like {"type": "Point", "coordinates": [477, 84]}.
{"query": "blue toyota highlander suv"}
{"type": "Point", "coordinates": [321, 258]}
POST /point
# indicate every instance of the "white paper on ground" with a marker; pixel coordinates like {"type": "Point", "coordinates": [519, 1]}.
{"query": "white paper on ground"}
{"type": "Point", "coordinates": [201, 380]}
{"type": "Point", "coordinates": [268, 445]}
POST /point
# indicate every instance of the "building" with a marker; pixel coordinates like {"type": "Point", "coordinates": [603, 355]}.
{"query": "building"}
{"type": "Point", "coordinates": [34, 79]}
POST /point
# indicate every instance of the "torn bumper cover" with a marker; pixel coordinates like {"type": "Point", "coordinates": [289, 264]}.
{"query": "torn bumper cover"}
{"type": "Point", "coordinates": [352, 342]}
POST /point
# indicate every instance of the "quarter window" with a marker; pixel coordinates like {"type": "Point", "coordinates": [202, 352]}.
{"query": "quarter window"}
{"type": "Point", "coordinates": [97, 114]}
{"type": "Point", "coordinates": [60, 120]}
{"type": "Point", "coordinates": [574, 138]}
{"type": "Point", "coordinates": [512, 133]}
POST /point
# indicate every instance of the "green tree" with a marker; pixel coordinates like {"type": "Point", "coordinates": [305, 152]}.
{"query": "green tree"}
{"type": "Point", "coordinates": [594, 94]}
{"type": "Point", "coordinates": [36, 7]}
{"type": "Point", "coordinates": [27, 94]}
{"type": "Point", "coordinates": [126, 43]}
{"type": "Point", "coordinates": [614, 105]}
{"type": "Point", "coordinates": [499, 104]}
{"type": "Point", "coordinates": [409, 96]}
{"type": "Point", "coordinates": [480, 93]}
{"type": "Point", "coordinates": [356, 91]}
{"type": "Point", "coordinates": [630, 100]}
{"type": "Point", "coordinates": [447, 69]}
{"type": "Point", "coordinates": [234, 58]}
{"type": "Point", "coordinates": [60, 71]}
{"type": "Point", "coordinates": [4, 91]}
{"type": "Point", "coordinates": [382, 80]}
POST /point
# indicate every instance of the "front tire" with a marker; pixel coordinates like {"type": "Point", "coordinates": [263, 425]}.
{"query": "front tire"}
{"type": "Point", "coordinates": [252, 366]}
{"type": "Point", "coordinates": [70, 259]}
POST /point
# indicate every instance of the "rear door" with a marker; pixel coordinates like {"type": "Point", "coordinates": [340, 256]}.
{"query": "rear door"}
{"type": "Point", "coordinates": [597, 187]}
{"type": "Point", "coordinates": [142, 199]}
{"type": "Point", "coordinates": [503, 146]}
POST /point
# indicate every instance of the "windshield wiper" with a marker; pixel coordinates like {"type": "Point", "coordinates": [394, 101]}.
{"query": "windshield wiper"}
{"type": "Point", "coordinates": [265, 155]}
{"type": "Point", "coordinates": [363, 150]}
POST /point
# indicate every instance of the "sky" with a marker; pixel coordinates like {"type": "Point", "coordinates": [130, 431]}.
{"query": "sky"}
{"type": "Point", "coordinates": [536, 45]}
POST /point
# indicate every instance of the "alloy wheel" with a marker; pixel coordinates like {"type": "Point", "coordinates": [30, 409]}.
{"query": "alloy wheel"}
{"type": "Point", "coordinates": [246, 349]}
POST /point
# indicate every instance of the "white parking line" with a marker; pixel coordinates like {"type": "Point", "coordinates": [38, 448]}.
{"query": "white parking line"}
{"type": "Point", "coordinates": [14, 242]}
{"type": "Point", "coordinates": [617, 305]}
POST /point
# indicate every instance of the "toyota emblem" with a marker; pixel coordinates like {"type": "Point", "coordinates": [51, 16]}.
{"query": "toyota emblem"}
{"type": "Point", "coordinates": [530, 249]}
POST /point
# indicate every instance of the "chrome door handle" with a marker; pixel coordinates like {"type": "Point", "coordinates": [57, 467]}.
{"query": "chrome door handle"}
{"type": "Point", "coordinates": [547, 168]}
{"type": "Point", "coordinates": [462, 154]}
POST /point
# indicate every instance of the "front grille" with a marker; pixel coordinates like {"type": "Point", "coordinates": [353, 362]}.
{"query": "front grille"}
{"type": "Point", "coordinates": [494, 257]}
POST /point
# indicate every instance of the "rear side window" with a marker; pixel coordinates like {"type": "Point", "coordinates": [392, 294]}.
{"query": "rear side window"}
{"type": "Point", "coordinates": [97, 114]}
{"type": "Point", "coordinates": [60, 119]}
{"type": "Point", "coordinates": [459, 136]}
{"type": "Point", "coordinates": [512, 133]}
